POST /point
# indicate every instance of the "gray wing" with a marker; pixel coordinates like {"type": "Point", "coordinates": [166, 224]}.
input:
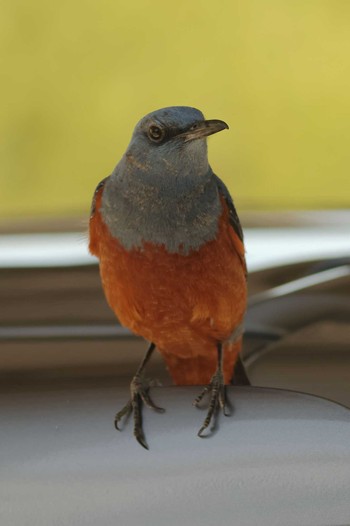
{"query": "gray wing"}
{"type": "Point", "coordinates": [234, 219]}
{"type": "Point", "coordinates": [97, 189]}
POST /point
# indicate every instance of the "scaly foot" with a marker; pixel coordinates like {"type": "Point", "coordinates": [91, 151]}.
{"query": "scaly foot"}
{"type": "Point", "coordinates": [139, 391]}
{"type": "Point", "coordinates": [217, 398]}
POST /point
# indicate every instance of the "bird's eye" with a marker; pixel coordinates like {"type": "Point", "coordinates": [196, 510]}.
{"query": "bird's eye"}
{"type": "Point", "coordinates": [193, 127]}
{"type": "Point", "coordinates": [156, 133]}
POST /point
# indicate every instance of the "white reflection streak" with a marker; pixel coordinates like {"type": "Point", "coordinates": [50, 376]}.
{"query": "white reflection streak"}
{"type": "Point", "coordinates": [266, 247]}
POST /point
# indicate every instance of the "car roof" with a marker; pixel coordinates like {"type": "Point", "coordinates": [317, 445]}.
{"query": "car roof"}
{"type": "Point", "coordinates": [281, 458]}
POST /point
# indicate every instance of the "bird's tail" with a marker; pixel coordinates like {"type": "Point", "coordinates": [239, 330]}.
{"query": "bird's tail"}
{"type": "Point", "coordinates": [197, 368]}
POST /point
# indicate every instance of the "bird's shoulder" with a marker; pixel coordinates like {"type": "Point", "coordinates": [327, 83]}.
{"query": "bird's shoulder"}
{"type": "Point", "coordinates": [94, 223]}
{"type": "Point", "coordinates": [97, 192]}
{"type": "Point", "coordinates": [233, 218]}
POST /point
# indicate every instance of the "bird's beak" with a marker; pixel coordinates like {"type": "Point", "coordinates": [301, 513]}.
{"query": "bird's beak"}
{"type": "Point", "coordinates": [199, 130]}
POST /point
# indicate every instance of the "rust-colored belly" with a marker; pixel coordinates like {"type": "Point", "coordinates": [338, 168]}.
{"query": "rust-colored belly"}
{"type": "Point", "coordinates": [184, 304]}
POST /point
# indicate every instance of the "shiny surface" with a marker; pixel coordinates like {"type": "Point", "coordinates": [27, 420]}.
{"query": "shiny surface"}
{"type": "Point", "coordinates": [281, 458]}
{"type": "Point", "coordinates": [286, 245]}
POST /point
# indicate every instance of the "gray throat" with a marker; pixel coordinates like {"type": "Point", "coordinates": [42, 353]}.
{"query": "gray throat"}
{"type": "Point", "coordinates": [182, 214]}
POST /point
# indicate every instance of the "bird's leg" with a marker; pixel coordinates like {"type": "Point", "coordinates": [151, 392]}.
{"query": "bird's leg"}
{"type": "Point", "coordinates": [139, 392]}
{"type": "Point", "coordinates": [217, 395]}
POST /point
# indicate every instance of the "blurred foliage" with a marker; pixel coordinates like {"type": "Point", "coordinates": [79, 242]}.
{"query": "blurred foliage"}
{"type": "Point", "coordinates": [78, 75]}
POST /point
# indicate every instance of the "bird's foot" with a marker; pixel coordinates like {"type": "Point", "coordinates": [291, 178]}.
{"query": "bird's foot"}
{"type": "Point", "coordinates": [217, 398]}
{"type": "Point", "coordinates": [139, 391]}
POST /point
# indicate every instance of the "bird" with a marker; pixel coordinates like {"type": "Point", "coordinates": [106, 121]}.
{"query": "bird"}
{"type": "Point", "coordinates": [172, 260]}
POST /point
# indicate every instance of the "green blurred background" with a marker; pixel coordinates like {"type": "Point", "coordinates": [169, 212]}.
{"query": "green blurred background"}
{"type": "Point", "coordinates": [78, 75]}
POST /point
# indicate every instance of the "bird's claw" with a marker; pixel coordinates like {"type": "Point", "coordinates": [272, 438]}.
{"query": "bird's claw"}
{"type": "Point", "coordinates": [126, 411]}
{"type": "Point", "coordinates": [217, 398]}
{"type": "Point", "coordinates": [139, 393]}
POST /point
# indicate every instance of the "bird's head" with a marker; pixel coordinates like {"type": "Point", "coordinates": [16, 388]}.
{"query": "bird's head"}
{"type": "Point", "coordinates": [171, 141]}
{"type": "Point", "coordinates": [163, 191]}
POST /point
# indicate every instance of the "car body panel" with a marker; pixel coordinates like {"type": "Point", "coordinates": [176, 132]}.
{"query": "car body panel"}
{"type": "Point", "coordinates": [280, 458]}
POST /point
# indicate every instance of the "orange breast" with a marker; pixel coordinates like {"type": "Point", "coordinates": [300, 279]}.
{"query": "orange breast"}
{"type": "Point", "coordinates": [184, 304]}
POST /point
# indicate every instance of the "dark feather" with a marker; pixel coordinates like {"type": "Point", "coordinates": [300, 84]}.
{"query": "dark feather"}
{"type": "Point", "coordinates": [234, 219]}
{"type": "Point", "coordinates": [98, 188]}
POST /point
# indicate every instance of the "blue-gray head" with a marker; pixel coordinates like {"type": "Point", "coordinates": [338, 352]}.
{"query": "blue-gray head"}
{"type": "Point", "coordinates": [163, 189]}
{"type": "Point", "coordinates": [172, 141]}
